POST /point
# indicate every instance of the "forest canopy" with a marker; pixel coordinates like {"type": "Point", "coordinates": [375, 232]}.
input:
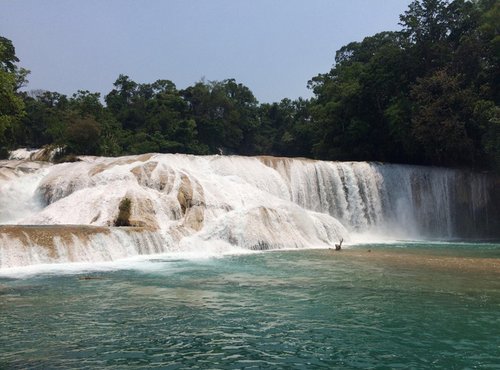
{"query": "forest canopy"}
{"type": "Point", "coordinates": [427, 94]}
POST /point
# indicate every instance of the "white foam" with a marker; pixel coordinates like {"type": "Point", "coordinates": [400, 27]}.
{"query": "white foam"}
{"type": "Point", "coordinates": [215, 204]}
{"type": "Point", "coordinates": [162, 263]}
{"type": "Point", "coordinates": [18, 197]}
{"type": "Point", "coordinates": [22, 153]}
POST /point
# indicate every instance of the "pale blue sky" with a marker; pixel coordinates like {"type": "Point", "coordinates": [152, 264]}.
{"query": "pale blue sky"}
{"type": "Point", "coordinates": [272, 46]}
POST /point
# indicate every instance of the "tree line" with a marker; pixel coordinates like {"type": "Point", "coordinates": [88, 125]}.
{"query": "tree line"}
{"type": "Point", "coordinates": [427, 94]}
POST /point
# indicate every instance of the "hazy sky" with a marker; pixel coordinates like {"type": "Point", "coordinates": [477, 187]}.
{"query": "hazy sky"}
{"type": "Point", "coordinates": [272, 46]}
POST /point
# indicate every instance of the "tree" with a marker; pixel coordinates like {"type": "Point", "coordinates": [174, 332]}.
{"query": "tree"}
{"type": "Point", "coordinates": [124, 104]}
{"type": "Point", "coordinates": [11, 104]}
{"type": "Point", "coordinates": [286, 128]}
{"type": "Point", "coordinates": [351, 101]}
{"type": "Point", "coordinates": [439, 122]}
{"type": "Point", "coordinates": [81, 135]}
{"type": "Point", "coordinates": [155, 117]}
{"type": "Point", "coordinates": [226, 115]}
{"type": "Point", "coordinates": [86, 103]}
{"type": "Point", "coordinates": [414, 96]}
{"type": "Point", "coordinates": [426, 27]}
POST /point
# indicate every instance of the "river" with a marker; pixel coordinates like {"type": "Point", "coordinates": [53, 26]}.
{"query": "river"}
{"type": "Point", "coordinates": [403, 305]}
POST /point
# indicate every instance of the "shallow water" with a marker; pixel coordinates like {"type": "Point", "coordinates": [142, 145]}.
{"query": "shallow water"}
{"type": "Point", "coordinates": [372, 306]}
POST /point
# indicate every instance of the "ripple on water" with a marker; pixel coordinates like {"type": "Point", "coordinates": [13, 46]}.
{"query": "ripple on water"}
{"type": "Point", "coordinates": [304, 309]}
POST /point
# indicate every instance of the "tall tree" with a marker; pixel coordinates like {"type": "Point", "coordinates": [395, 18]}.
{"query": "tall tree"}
{"type": "Point", "coordinates": [11, 104]}
{"type": "Point", "coordinates": [439, 123]}
{"type": "Point", "coordinates": [226, 115]}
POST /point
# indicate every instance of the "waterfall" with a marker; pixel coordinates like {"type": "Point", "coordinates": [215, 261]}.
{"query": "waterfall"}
{"type": "Point", "coordinates": [401, 200]}
{"type": "Point", "coordinates": [18, 183]}
{"type": "Point", "coordinates": [178, 201]}
{"type": "Point", "coordinates": [20, 246]}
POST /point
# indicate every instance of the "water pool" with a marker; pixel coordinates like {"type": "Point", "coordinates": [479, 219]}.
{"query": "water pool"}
{"type": "Point", "coordinates": [416, 305]}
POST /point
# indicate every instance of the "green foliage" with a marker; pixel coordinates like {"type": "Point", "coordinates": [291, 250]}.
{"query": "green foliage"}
{"type": "Point", "coordinates": [82, 135]}
{"type": "Point", "coordinates": [352, 99]}
{"type": "Point", "coordinates": [410, 96]}
{"type": "Point", "coordinates": [86, 103]}
{"type": "Point", "coordinates": [226, 115]}
{"type": "Point", "coordinates": [8, 57]}
{"type": "Point", "coordinates": [487, 114]}
{"type": "Point", "coordinates": [11, 104]}
{"type": "Point", "coordinates": [441, 109]}
{"type": "Point", "coordinates": [286, 128]}
{"type": "Point", "coordinates": [11, 107]}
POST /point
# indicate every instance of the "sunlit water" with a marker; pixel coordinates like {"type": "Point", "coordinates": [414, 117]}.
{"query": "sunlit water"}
{"type": "Point", "coordinates": [371, 306]}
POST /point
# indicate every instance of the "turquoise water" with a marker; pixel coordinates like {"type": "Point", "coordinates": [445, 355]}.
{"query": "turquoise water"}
{"type": "Point", "coordinates": [373, 306]}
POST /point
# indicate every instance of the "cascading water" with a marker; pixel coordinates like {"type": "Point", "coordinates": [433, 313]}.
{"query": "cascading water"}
{"type": "Point", "coordinates": [18, 183]}
{"type": "Point", "coordinates": [397, 200]}
{"type": "Point", "coordinates": [20, 246]}
{"type": "Point", "coordinates": [186, 201]}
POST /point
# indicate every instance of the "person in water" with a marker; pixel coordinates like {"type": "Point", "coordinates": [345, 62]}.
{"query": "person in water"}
{"type": "Point", "coordinates": [339, 246]}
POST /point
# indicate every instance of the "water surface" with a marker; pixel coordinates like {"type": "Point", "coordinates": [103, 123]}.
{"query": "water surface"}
{"type": "Point", "coordinates": [373, 306]}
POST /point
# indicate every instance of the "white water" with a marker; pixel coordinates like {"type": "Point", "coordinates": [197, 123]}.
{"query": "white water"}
{"type": "Point", "coordinates": [98, 247]}
{"type": "Point", "coordinates": [18, 183]}
{"type": "Point", "coordinates": [190, 203]}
